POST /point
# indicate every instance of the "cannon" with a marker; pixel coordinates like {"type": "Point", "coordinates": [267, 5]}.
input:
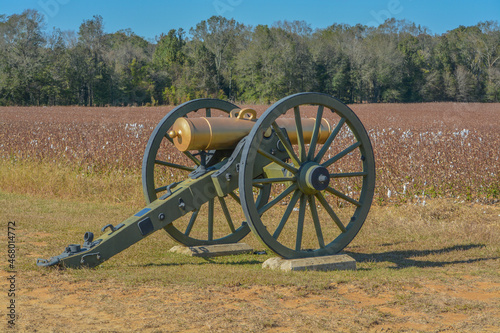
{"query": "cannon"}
{"type": "Point", "coordinates": [301, 177]}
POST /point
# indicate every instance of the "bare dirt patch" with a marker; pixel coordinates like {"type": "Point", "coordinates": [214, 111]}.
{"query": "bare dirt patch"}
{"type": "Point", "coordinates": [54, 302]}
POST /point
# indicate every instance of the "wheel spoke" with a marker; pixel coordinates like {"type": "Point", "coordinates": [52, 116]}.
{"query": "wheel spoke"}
{"type": "Point", "coordinates": [211, 219]}
{"type": "Point", "coordinates": [286, 215]}
{"type": "Point", "coordinates": [272, 180]}
{"type": "Point", "coordinates": [286, 144]}
{"type": "Point", "coordinates": [235, 197]}
{"type": "Point", "coordinates": [341, 154]}
{"type": "Point", "coordinates": [317, 225]}
{"type": "Point", "coordinates": [173, 165]}
{"type": "Point", "coordinates": [208, 112]}
{"type": "Point", "coordinates": [191, 222]}
{"type": "Point", "coordinates": [330, 211]}
{"type": "Point", "coordinates": [226, 214]}
{"type": "Point", "coordinates": [161, 189]}
{"type": "Point", "coordinates": [300, 222]}
{"type": "Point", "coordinates": [342, 196]}
{"type": "Point", "coordinates": [329, 141]}
{"type": "Point", "coordinates": [348, 174]}
{"type": "Point", "coordinates": [277, 161]}
{"type": "Point", "coordinates": [280, 197]}
{"type": "Point", "coordinates": [192, 158]}
{"type": "Point", "coordinates": [315, 133]}
{"type": "Point", "coordinates": [300, 134]}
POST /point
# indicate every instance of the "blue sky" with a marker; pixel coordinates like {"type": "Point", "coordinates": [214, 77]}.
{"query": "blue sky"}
{"type": "Point", "coordinates": [151, 18]}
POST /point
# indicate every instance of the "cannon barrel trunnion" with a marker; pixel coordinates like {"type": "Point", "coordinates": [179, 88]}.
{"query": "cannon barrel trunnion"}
{"type": "Point", "coordinates": [301, 177]}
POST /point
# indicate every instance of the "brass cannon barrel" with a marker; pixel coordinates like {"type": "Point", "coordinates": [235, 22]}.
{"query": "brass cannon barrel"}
{"type": "Point", "coordinates": [207, 133]}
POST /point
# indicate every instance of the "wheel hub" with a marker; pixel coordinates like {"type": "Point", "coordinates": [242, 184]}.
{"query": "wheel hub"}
{"type": "Point", "coordinates": [313, 178]}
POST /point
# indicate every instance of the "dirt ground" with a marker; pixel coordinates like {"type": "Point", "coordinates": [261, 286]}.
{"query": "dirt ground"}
{"type": "Point", "coordinates": [49, 302]}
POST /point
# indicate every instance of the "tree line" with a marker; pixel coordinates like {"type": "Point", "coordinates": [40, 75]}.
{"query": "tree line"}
{"type": "Point", "coordinates": [397, 61]}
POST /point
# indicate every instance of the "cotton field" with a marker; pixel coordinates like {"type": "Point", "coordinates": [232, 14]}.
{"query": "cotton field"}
{"type": "Point", "coordinates": [422, 150]}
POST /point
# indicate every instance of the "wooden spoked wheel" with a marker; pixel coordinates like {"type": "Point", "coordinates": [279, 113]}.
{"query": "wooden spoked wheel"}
{"type": "Point", "coordinates": [322, 197]}
{"type": "Point", "coordinates": [216, 222]}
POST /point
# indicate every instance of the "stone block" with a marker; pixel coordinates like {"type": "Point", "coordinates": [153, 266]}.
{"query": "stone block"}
{"type": "Point", "coordinates": [324, 263]}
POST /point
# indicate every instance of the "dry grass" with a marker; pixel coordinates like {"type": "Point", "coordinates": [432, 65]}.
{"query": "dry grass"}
{"type": "Point", "coordinates": [423, 268]}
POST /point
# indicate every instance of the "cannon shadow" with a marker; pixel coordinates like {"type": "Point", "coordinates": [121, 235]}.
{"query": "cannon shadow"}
{"type": "Point", "coordinates": [406, 258]}
{"type": "Point", "coordinates": [401, 259]}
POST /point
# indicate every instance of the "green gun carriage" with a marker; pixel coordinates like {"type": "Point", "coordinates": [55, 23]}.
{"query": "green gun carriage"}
{"type": "Point", "coordinates": [301, 177]}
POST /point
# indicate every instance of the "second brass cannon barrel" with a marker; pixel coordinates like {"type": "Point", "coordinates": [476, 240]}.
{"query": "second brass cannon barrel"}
{"type": "Point", "coordinates": [207, 133]}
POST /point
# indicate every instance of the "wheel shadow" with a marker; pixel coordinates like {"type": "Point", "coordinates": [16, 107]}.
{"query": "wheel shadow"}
{"type": "Point", "coordinates": [405, 259]}
{"type": "Point", "coordinates": [204, 262]}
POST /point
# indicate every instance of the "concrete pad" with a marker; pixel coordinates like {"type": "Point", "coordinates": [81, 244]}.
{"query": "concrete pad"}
{"type": "Point", "coordinates": [325, 263]}
{"type": "Point", "coordinates": [212, 250]}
